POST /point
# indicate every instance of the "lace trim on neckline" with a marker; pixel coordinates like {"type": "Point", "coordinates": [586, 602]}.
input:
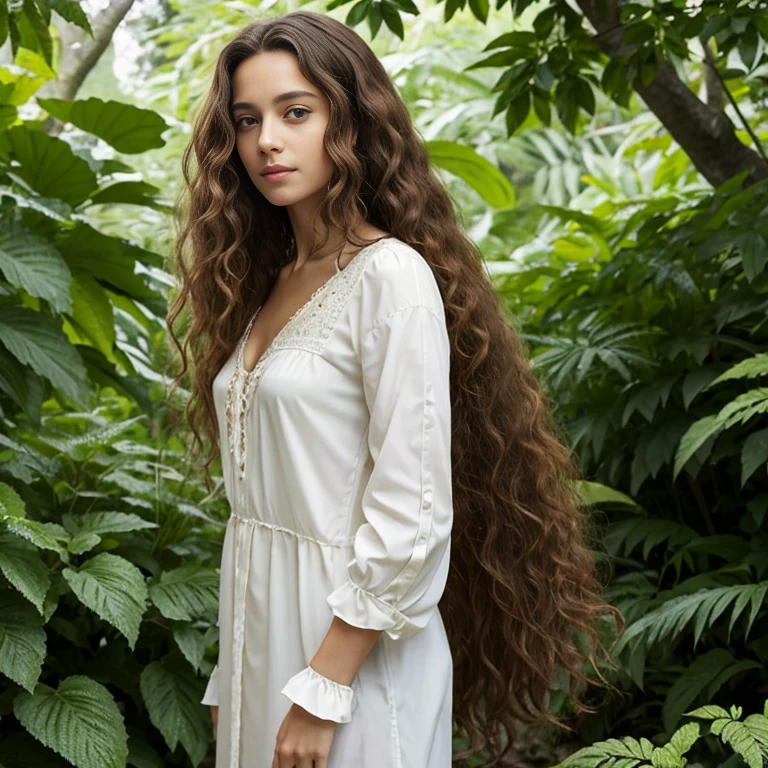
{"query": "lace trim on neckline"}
{"type": "Point", "coordinates": [308, 328]}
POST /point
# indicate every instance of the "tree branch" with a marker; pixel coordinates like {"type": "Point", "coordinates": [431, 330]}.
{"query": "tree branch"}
{"type": "Point", "coordinates": [80, 52]}
{"type": "Point", "coordinates": [704, 132]}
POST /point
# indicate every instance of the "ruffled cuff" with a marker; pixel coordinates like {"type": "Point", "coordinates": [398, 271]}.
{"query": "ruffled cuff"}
{"type": "Point", "coordinates": [361, 608]}
{"type": "Point", "coordinates": [211, 696]}
{"type": "Point", "coordinates": [321, 696]}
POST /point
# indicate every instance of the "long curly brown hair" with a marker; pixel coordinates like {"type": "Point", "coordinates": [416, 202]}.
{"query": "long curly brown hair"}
{"type": "Point", "coordinates": [522, 600]}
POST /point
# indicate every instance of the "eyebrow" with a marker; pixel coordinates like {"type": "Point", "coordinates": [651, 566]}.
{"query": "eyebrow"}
{"type": "Point", "coordinates": [277, 100]}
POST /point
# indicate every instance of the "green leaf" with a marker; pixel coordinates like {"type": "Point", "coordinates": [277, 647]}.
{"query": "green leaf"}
{"type": "Point", "coordinates": [698, 434]}
{"type": "Point", "coordinates": [92, 318]}
{"type": "Point", "coordinates": [42, 535]}
{"type": "Point", "coordinates": [392, 18]}
{"type": "Point", "coordinates": [114, 589]}
{"type": "Point", "coordinates": [754, 253]}
{"type": "Point", "coordinates": [172, 696]}
{"type": "Point", "coordinates": [695, 382]}
{"type": "Point", "coordinates": [665, 623]}
{"type": "Point", "coordinates": [130, 192]}
{"type": "Point", "coordinates": [596, 493]}
{"type": "Point", "coordinates": [480, 9]}
{"type": "Point", "coordinates": [743, 743]}
{"type": "Point", "coordinates": [49, 165]}
{"type": "Point", "coordinates": [484, 177]}
{"type": "Point", "coordinates": [79, 720]}
{"type": "Point", "coordinates": [83, 542]}
{"type": "Point", "coordinates": [191, 643]}
{"type": "Point", "coordinates": [750, 368]}
{"type": "Point", "coordinates": [21, 564]}
{"type": "Point", "coordinates": [22, 640]}
{"type": "Point", "coordinates": [35, 341]}
{"type": "Point", "coordinates": [33, 263]}
{"type": "Point", "coordinates": [186, 593]}
{"type": "Point", "coordinates": [10, 502]}
{"type": "Point", "coordinates": [127, 128]}
{"type": "Point", "coordinates": [72, 12]}
{"type": "Point", "coordinates": [357, 13]}
{"type": "Point", "coordinates": [685, 737]}
{"type": "Point", "coordinates": [112, 522]}
{"type": "Point", "coordinates": [35, 63]}
{"type": "Point", "coordinates": [40, 29]}
{"type": "Point", "coordinates": [754, 454]}
{"type": "Point", "coordinates": [708, 712]}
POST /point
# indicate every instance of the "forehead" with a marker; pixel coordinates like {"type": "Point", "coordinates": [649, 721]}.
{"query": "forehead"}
{"type": "Point", "coordinates": [265, 75]}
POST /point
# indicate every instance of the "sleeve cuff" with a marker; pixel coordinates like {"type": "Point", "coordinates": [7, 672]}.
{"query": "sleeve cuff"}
{"type": "Point", "coordinates": [361, 608]}
{"type": "Point", "coordinates": [321, 696]}
{"type": "Point", "coordinates": [211, 697]}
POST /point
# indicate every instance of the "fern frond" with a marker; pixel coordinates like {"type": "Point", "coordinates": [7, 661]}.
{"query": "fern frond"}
{"type": "Point", "coordinates": [746, 369]}
{"type": "Point", "coordinates": [704, 607]}
{"type": "Point", "coordinates": [740, 410]}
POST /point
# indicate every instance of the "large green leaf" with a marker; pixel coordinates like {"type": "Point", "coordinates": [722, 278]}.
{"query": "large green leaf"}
{"type": "Point", "coordinates": [22, 565]}
{"type": "Point", "coordinates": [186, 593]}
{"type": "Point", "coordinates": [42, 535]}
{"type": "Point", "coordinates": [22, 639]}
{"type": "Point", "coordinates": [92, 319]}
{"type": "Point", "coordinates": [33, 263]}
{"type": "Point", "coordinates": [112, 522]}
{"type": "Point", "coordinates": [127, 128]}
{"type": "Point", "coordinates": [172, 695]}
{"type": "Point", "coordinates": [131, 192]}
{"type": "Point", "coordinates": [483, 176]}
{"type": "Point", "coordinates": [49, 165]}
{"type": "Point", "coordinates": [33, 339]}
{"type": "Point", "coordinates": [79, 720]}
{"type": "Point", "coordinates": [114, 589]}
{"type": "Point", "coordinates": [108, 260]}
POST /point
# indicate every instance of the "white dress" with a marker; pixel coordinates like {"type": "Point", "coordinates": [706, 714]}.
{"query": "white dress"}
{"type": "Point", "coordinates": [336, 452]}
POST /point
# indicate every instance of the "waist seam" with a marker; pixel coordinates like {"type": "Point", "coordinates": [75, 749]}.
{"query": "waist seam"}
{"type": "Point", "coordinates": [280, 529]}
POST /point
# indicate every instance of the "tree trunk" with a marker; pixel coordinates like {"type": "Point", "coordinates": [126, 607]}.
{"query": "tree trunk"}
{"type": "Point", "coordinates": [703, 130]}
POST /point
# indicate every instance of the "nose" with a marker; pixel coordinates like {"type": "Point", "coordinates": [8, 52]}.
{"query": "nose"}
{"type": "Point", "coordinates": [269, 139]}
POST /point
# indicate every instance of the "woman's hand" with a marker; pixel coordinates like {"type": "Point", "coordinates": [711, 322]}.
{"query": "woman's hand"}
{"type": "Point", "coordinates": [303, 741]}
{"type": "Point", "coordinates": [215, 720]}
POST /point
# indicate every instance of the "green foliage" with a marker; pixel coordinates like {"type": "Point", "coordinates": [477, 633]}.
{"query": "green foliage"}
{"type": "Point", "coordinates": [79, 720]}
{"type": "Point", "coordinates": [97, 512]}
{"type": "Point", "coordinates": [747, 738]}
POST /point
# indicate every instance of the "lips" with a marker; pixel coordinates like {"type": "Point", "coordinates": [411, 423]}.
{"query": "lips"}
{"type": "Point", "coordinates": [272, 169]}
{"type": "Point", "coordinates": [277, 175]}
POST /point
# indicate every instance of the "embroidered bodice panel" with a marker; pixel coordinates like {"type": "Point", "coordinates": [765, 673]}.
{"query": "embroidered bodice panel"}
{"type": "Point", "coordinates": [307, 329]}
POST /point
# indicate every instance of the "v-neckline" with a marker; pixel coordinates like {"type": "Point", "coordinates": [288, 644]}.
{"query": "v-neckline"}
{"type": "Point", "coordinates": [240, 369]}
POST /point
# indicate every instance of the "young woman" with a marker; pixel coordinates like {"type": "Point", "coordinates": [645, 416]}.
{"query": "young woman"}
{"type": "Point", "coordinates": [405, 546]}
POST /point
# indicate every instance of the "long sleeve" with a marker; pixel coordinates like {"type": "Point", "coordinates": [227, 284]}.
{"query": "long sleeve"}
{"type": "Point", "coordinates": [402, 546]}
{"type": "Point", "coordinates": [401, 552]}
{"type": "Point", "coordinates": [211, 696]}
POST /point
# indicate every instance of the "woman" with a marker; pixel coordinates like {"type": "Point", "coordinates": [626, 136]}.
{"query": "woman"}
{"type": "Point", "coordinates": [385, 446]}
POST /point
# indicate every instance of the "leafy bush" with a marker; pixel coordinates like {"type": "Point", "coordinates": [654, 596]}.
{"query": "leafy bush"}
{"type": "Point", "coordinates": [748, 740]}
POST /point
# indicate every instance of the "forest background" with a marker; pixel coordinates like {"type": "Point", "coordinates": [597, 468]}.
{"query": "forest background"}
{"type": "Point", "coordinates": [607, 157]}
